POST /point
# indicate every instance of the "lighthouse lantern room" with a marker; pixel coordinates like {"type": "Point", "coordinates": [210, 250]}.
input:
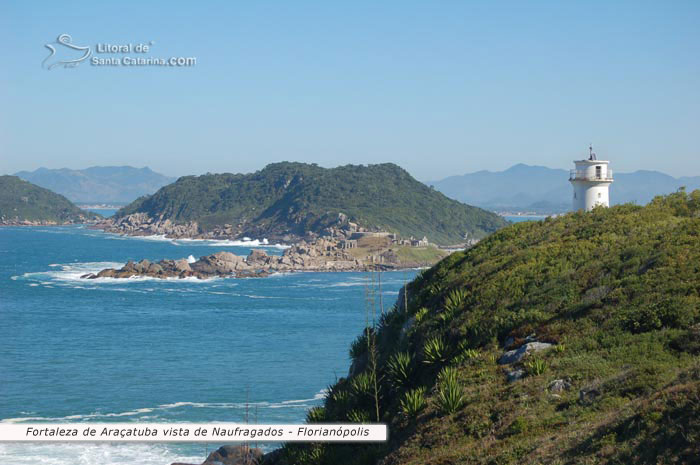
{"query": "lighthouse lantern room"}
{"type": "Point", "coordinates": [591, 180]}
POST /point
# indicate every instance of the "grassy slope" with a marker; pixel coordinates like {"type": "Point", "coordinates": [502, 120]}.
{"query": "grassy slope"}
{"type": "Point", "coordinates": [618, 293]}
{"type": "Point", "coordinates": [411, 256]}
{"type": "Point", "coordinates": [297, 197]}
{"type": "Point", "coordinates": [22, 200]}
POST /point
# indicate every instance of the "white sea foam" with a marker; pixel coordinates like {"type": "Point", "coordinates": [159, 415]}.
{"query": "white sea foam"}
{"type": "Point", "coordinates": [93, 454]}
{"type": "Point", "coordinates": [70, 274]}
{"type": "Point", "coordinates": [294, 403]}
{"type": "Point", "coordinates": [191, 259]}
{"type": "Point", "coordinates": [67, 272]}
{"type": "Point", "coordinates": [244, 242]}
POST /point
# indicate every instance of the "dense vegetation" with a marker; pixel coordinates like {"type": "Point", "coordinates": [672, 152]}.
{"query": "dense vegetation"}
{"type": "Point", "coordinates": [297, 198]}
{"type": "Point", "coordinates": [21, 200]}
{"type": "Point", "coordinates": [617, 293]}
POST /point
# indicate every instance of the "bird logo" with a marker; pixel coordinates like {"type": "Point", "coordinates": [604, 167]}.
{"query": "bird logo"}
{"type": "Point", "coordinates": [65, 54]}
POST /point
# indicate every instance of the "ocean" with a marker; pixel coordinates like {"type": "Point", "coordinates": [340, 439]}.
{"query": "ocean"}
{"type": "Point", "coordinates": [521, 218]}
{"type": "Point", "coordinates": [75, 350]}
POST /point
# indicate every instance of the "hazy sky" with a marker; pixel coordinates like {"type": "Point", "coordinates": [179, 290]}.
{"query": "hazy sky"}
{"type": "Point", "coordinates": [440, 88]}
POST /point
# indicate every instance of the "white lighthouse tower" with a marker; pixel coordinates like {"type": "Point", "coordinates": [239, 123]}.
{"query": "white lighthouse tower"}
{"type": "Point", "coordinates": [591, 180]}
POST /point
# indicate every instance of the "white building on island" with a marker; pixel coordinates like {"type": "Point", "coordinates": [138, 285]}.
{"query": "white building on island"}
{"type": "Point", "coordinates": [591, 180]}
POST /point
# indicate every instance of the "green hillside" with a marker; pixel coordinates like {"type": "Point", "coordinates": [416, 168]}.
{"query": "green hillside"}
{"type": "Point", "coordinates": [295, 198]}
{"type": "Point", "coordinates": [21, 200]}
{"type": "Point", "coordinates": [616, 292]}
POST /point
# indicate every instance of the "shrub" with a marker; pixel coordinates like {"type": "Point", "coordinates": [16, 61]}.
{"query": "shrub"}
{"type": "Point", "coordinates": [519, 426]}
{"type": "Point", "coordinates": [674, 312]}
{"type": "Point", "coordinates": [413, 402]}
{"type": "Point", "coordinates": [358, 347]}
{"type": "Point", "coordinates": [399, 369]}
{"type": "Point", "coordinates": [435, 351]}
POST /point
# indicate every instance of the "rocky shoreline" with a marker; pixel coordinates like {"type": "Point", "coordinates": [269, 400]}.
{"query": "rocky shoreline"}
{"type": "Point", "coordinates": [141, 224]}
{"type": "Point", "coordinates": [320, 256]}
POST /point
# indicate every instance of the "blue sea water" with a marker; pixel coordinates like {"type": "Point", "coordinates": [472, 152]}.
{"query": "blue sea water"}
{"type": "Point", "coordinates": [521, 218]}
{"type": "Point", "coordinates": [161, 350]}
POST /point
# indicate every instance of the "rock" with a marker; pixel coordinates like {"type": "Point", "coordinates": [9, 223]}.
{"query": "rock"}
{"type": "Point", "coordinates": [182, 265]}
{"type": "Point", "coordinates": [515, 375]}
{"type": "Point", "coordinates": [234, 455]}
{"type": "Point", "coordinates": [516, 355]}
{"type": "Point", "coordinates": [257, 257]}
{"type": "Point", "coordinates": [108, 273]}
{"type": "Point", "coordinates": [142, 266]}
{"type": "Point", "coordinates": [205, 265]}
{"type": "Point", "coordinates": [155, 268]}
{"type": "Point", "coordinates": [273, 458]}
{"type": "Point", "coordinates": [559, 385]}
{"type": "Point", "coordinates": [141, 224]}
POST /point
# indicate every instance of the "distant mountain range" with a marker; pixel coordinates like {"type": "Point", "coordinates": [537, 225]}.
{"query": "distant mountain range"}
{"type": "Point", "coordinates": [22, 202]}
{"type": "Point", "coordinates": [99, 184]}
{"type": "Point", "coordinates": [297, 199]}
{"type": "Point", "coordinates": [546, 190]}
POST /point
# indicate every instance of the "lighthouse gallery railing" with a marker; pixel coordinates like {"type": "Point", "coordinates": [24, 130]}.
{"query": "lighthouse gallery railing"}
{"type": "Point", "coordinates": [585, 176]}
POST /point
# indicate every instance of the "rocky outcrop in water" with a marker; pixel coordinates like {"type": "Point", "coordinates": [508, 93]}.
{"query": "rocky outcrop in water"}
{"type": "Point", "coordinates": [319, 256]}
{"type": "Point", "coordinates": [233, 455]}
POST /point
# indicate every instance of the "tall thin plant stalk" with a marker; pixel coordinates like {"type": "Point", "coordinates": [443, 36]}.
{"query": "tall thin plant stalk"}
{"type": "Point", "coordinates": [371, 309]}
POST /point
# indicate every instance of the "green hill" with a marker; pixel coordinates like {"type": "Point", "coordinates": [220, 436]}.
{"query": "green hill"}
{"type": "Point", "coordinates": [23, 201]}
{"type": "Point", "coordinates": [297, 198]}
{"type": "Point", "coordinates": [616, 292]}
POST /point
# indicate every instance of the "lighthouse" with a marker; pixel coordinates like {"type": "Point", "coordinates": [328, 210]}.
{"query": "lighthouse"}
{"type": "Point", "coordinates": [591, 180]}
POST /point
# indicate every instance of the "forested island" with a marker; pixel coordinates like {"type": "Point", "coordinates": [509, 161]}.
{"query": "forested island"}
{"type": "Point", "coordinates": [289, 202]}
{"type": "Point", "coordinates": [25, 204]}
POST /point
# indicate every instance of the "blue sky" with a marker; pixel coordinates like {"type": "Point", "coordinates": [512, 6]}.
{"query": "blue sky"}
{"type": "Point", "coordinates": [440, 88]}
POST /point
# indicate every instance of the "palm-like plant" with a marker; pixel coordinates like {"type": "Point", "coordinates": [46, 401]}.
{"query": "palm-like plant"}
{"type": "Point", "coordinates": [316, 415]}
{"type": "Point", "coordinates": [358, 416]}
{"type": "Point", "coordinates": [455, 299]}
{"type": "Point", "coordinates": [363, 384]}
{"type": "Point", "coordinates": [447, 375]}
{"type": "Point", "coordinates": [420, 314]}
{"type": "Point", "coordinates": [435, 351]}
{"type": "Point", "coordinates": [536, 366]}
{"type": "Point", "coordinates": [413, 402]}
{"type": "Point", "coordinates": [450, 397]}
{"type": "Point", "coordinates": [399, 369]}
